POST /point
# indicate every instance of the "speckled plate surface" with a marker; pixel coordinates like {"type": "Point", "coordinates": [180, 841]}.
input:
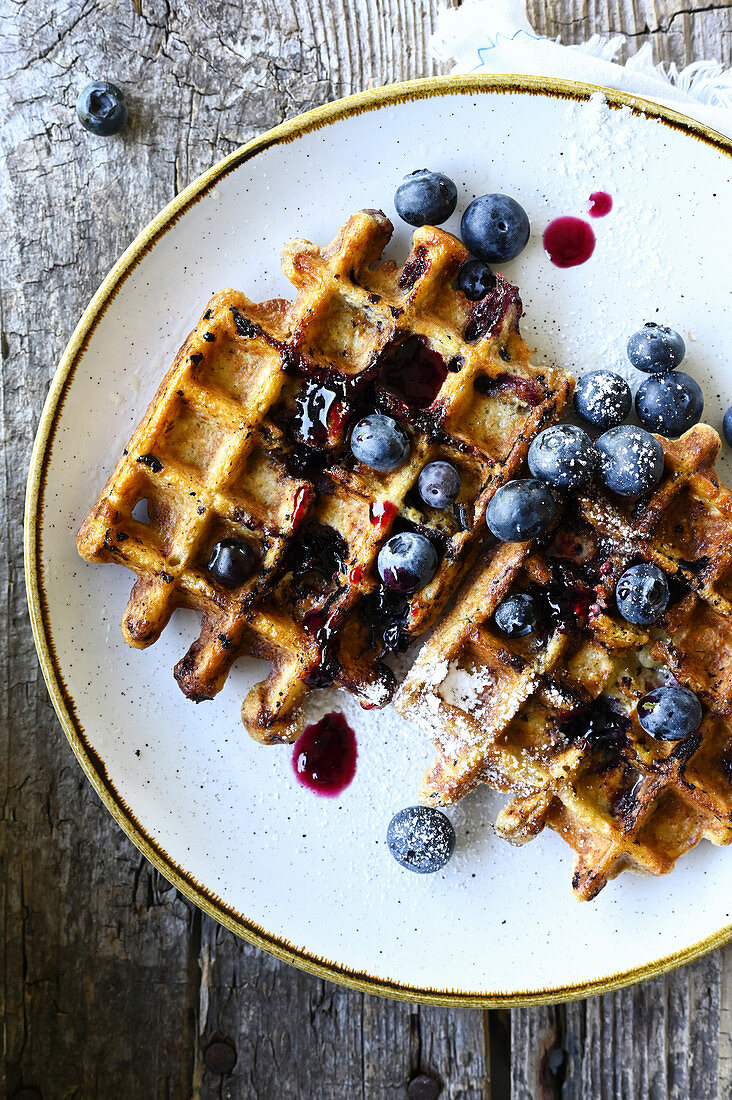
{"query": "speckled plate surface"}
{"type": "Point", "coordinates": [223, 817]}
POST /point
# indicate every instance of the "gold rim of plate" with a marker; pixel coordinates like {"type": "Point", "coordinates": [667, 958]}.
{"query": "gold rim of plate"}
{"type": "Point", "coordinates": [93, 766]}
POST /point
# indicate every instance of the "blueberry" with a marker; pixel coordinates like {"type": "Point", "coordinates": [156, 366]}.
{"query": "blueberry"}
{"type": "Point", "coordinates": [563, 456]}
{"type": "Point", "coordinates": [421, 838]}
{"type": "Point", "coordinates": [655, 349]}
{"type": "Point", "coordinates": [631, 460]}
{"type": "Point", "coordinates": [516, 616]}
{"type": "Point", "coordinates": [407, 562]}
{"type": "Point", "coordinates": [669, 403]}
{"type": "Point", "coordinates": [670, 713]}
{"type": "Point", "coordinates": [642, 594]}
{"type": "Point", "coordinates": [602, 398]}
{"type": "Point", "coordinates": [439, 484]}
{"type": "Point", "coordinates": [379, 442]}
{"type": "Point", "coordinates": [727, 425]}
{"type": "Point", "coordinates": [520, 510]}
{"type": "Point", "coordinates": [231, 562]}
{"type": "Point", "coordinates": [475, 279]}
{"type": "Point", "coordinates": [425, 198]}
{"type": "Point", "coordinates": [495, 227]}
{"type": "Point", "coordinates": [101, 108]}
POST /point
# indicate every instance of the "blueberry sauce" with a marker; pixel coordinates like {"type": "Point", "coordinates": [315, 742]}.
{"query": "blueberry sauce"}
{"type": "Point", "coordinates": [413, 371]}
{"type": "Point", "coordinates": [569, 241]}
{"type": "Point", "coordinates": [600, 204]}
{"type": "Point", "coordinates": [318, 411]}
{"type": "Point", "coordinates": [596, 721]}
{"type": "Point", "coordinates": [318, 549]}
{"type": "Point", "coordinates": [324, 756]}
{"type": "Point", "coordinates": [387, 613]}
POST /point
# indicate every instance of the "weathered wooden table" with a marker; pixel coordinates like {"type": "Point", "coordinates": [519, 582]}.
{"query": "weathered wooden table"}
{"type": "Point", "coordinates": [112, 984]}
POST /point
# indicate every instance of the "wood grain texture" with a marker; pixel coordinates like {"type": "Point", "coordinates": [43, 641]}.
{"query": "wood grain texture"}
{"type": "Point", "coordinates": [111, 985]}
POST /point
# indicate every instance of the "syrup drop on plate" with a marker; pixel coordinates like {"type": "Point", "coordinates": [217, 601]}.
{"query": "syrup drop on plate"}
{"type": "Point", "coordinates": [600, 204]}
{"type": "Point", "coordinates": [569, 241]}
{"type": "Point", "coordinates": [324, 756]}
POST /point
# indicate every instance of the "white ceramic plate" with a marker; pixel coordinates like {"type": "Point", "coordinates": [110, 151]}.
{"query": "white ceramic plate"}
{"type": "Point", "coordinates": [223, 817]}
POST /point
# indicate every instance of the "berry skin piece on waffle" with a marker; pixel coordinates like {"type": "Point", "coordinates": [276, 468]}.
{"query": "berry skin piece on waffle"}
{"type": "Point", "coordinates": [550, 718]}
{"type": "Point", "coordinates": [248, 438]}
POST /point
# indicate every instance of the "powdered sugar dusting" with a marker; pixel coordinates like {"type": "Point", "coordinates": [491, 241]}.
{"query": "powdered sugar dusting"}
{"type": "Point", "coordinates": [607, 148]}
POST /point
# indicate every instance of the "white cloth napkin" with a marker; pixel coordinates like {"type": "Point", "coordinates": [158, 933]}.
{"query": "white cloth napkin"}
{"type": "Point", "coordinates": [494, 36]}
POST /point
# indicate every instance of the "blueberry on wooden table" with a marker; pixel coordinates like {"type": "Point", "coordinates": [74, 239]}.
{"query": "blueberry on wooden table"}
{"type": "Point", "coordinates": [642, 594]}
{"type": "Point", "coordinates": [425, 198]}
{"type": "Point", "coordinates": [670, 713]}
{"type": "Point", "coordinates": [520, 510]}
{"type": "Point", "coordinates": [495, 228]}
{"type": "Point", "coordinates": [669, 403]}
{"type": "Point", "coordinates": [407, 562]}
{"type": "Point", "coordinates": [631, 460]}
{"type": "Point", "coordinates": [439, 484]}
{"type": "Point", "coordinates": [421, 838]}
{"type": "Point", "coordinates": [101, 108]}
{"type": "Point", "coordinates": [602, 398]}
{"type": "Point", "coordinates": [380, 443]}
{"type": "Point", "coordinates": [231, 562]}
{"type": "Point", "coordinates": [562, 456]}
{"type": "Point", "coordinates": [656, 349]}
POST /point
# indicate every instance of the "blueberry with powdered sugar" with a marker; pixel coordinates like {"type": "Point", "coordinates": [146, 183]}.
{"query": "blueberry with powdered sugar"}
{"type": "Point", "coordinates": [656, 349]}
{"type": "Point", "coordinates": [603, 399]}
{"type": "Point", "coordinates": [563, 456]}
{"type": "Point", "coordinates": [421, 838]}
{"type": "Point", "coordinates": [631, 460]}
{"type": "Point", "coordinates": [669, 403]}
{"type": "Point", "coordinates": [642, 594]}
{"type": "Point", "coordinates": [439, 484]}
{"type": "Point", "coordinates": [517, 616]}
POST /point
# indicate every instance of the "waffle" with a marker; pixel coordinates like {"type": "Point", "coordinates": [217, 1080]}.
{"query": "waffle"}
{"type": "Point", "coordinates": [551, 718]}
{"type": "Point", "coordinates": [247, 437]}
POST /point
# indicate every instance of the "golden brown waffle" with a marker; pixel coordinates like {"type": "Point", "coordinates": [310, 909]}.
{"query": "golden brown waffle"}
{"type": "Point", "coordinates": [551, 718]}
{"type": "Point", "coordinates": [247, 437]}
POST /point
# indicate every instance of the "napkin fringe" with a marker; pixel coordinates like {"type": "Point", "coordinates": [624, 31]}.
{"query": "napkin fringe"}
{"type": "Point", "coordinates": [490, 35]}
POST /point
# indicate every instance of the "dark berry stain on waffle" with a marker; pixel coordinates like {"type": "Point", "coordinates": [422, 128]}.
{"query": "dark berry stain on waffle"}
{"type": "Point", "coordinates": [488, 314]}
{"type": "Point", "coordinates": [414, 268]}
{"type": "Point", "coordinates": [527, 390]}
{"type": "Point", "coordinates": [414, 371]}
{"type": "Point", "coordinates": [151, 462]}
